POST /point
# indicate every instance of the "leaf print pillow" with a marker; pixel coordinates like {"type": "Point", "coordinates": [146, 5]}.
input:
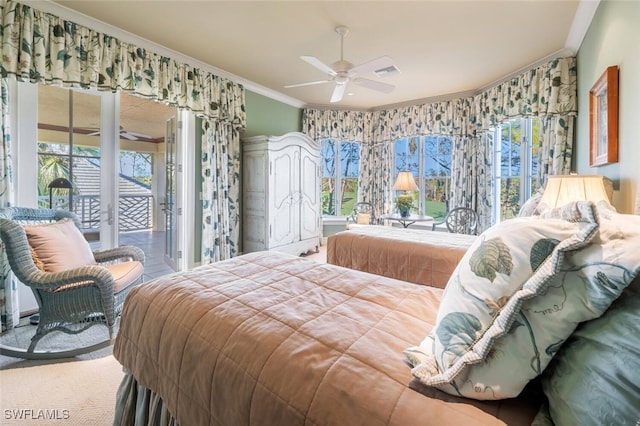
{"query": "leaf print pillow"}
{"type": "Point", "coordinates": [486, 343]}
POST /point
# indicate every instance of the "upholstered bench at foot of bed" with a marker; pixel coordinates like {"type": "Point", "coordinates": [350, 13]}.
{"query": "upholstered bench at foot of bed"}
{"type": "Point", "coordinates": [422, 257]}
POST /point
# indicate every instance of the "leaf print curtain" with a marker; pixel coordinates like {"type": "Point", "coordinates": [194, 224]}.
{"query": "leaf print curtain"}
{"type": "Point", "coordinates": [38, 47]}
{"type": "Point", "coordinates": [43, 48]}
{"type": "Point", "coordinates": [548, 91]}
{"type": "Point", "coordinates": [9, 309]}
{"type": "Point", "coordinates": [221, 191]}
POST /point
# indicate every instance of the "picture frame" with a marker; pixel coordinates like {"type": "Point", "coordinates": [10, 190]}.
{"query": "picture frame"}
{"type": "Point", "coordinates": [603, 119]}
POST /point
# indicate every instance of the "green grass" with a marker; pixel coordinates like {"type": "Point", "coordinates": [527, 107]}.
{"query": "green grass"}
{"type": "Point", "coordinates": [435, 209]}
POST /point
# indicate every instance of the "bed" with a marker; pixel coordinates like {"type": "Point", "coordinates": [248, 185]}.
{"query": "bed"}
{"type": "Point", "coordinates": [417, 256]}
{"type": "Point", "coordinates": [269, 338]}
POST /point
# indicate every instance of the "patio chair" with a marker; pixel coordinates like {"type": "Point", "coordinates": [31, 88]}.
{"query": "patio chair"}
{"type": "Point", "coordinates": [75, 287]}
{"type": "Point", "coordinates": [363, 215]}
{"type": "Point", "coordinates": [461, 220]}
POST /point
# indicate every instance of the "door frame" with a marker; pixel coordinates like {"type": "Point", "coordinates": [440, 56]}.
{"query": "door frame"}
{"type": "Point", "coordinates": [185, 198]}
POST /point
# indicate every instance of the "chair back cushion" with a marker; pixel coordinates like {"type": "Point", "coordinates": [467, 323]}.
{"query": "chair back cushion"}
{"type": "Point", "coordinates": [364, 219]}
{"type": "Point", "coordinates": [59, 246]}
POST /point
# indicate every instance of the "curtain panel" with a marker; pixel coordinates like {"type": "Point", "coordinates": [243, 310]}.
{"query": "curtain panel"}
{"type": "Point", "coordinates": [9, 308]}
{"type": "Point", "coordinates": [548, 92]}
{"type": "Point", "coordinates": [221, 191]}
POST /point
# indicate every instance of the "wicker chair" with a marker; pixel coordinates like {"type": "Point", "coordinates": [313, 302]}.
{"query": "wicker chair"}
{"type": "Point", "coordinates": [461, 220]}
{"type": "Point", "coordinates": [363, 214]}
{"type": "Point", "coordinates": [71, 300]}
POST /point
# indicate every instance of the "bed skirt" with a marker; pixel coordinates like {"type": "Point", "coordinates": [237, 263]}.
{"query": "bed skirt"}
{"type": "Point", "coordinates": [139, 406]}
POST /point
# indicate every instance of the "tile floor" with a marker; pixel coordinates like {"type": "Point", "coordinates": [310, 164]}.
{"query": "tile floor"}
{"type": "Point", "coordinates": [152, 243]}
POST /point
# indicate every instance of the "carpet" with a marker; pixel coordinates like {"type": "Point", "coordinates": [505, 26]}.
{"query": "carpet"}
{"type": "Point", "coordinates": [66, 393]}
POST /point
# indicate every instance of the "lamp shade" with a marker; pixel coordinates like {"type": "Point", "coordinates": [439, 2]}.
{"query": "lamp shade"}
{"type": "Point", "coordinates": [405, 182]}
{"type": "Point", "coordinates": [561, 190]}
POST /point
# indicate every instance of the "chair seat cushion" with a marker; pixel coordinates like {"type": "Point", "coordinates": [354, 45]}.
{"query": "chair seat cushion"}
{"type": "Point", "coordinates": [125, 274]}
{"type": "Point", "coordinates": [59, 246]}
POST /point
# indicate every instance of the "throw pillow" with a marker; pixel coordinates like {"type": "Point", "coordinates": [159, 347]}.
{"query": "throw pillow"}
{"type": "Point", "coordinates": [59, 246]}
{"type": "Point", "coordinates": [364, 218]}
{"type": "Point", "coordinates": [594, 379]}
{"type": "Point", "coordinates": [491, 333]}
{"type": "Point", "coordinates": [529, 206]}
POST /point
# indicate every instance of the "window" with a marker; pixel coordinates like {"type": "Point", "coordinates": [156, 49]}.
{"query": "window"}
{"type": "Point", "coordinates": [340, 162]}
{"type": "Point", "coordinates": [515, 165]}
{"type": "Point", "coordinates": [68, 147]}
{"type": "Point", "coordinates": [429, 159]}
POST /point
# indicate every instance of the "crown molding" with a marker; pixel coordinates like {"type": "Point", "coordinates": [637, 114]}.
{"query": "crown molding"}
{"type": "Point", "coordinates": [581, 21]}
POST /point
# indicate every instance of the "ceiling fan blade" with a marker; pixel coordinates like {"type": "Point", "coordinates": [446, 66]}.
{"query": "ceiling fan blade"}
{"type": "Point", "coordinates": [129, 136]}
{"type": "Point", "coordinates": [312, 60]}
{"type": "Point", "coordinates": [338, 92]}
{"type": "Point", "coordinates": [311, 83]}
{"type": "Point", "coordinates": [374, 85]}
{"type": "Point", "coordinates": [139, 135]}
{"type": "Point", "coordinates": [381, 62]}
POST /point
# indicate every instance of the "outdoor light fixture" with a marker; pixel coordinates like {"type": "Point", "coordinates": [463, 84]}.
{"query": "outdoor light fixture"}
{"type": "Point", "coordinates": [60, 183]}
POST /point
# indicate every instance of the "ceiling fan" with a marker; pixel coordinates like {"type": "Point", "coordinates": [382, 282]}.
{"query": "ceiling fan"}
{"type": "Point", "coordinates": [132, 136]}
{"type": "Point", "coordinates": [343, 72]}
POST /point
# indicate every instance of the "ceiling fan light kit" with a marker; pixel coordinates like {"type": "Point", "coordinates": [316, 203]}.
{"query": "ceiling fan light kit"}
{"type": "Point", "coordinates": [344, 72]}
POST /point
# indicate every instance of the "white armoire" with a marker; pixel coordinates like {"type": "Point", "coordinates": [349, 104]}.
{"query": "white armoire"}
{"type": "Point", "coordinates": [281, 193]}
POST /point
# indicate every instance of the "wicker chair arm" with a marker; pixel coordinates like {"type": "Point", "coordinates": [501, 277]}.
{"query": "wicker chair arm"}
{"type": "Point", "coordinates": [91, 275]}
{"type": "Point", "coordinates": [122, 252]}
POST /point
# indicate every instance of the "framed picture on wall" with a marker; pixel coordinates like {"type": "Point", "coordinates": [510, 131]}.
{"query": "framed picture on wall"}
{"type": "Point", "coordinates": [603, 119]}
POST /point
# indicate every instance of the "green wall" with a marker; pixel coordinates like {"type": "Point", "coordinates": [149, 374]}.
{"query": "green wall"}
{"type": "Point", "coordinates": [266, 116]}
{"type": "Point", "coordinates": [613, 38]}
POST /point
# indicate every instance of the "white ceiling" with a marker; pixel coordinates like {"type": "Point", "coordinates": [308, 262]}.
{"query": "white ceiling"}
{"type": "Point", "coordinates": [441, 47]}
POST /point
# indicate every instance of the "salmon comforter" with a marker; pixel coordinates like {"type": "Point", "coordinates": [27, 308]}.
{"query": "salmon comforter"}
{"type": "Point", "coordinates": [272, 339]}
{"type": "Point", "coordinates": [414, 255]}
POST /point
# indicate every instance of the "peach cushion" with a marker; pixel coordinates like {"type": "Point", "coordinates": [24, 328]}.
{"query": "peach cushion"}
{"type": "Point", "coordinates": [125, 274]}
{"type": "Point", "coordinates": [364, 218]}
{"type": "Point", "coordinates": [59, 246]}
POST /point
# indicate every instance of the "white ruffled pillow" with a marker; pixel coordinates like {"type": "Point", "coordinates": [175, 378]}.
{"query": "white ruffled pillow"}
{"type": "Point", "coordinates": [507, 307]}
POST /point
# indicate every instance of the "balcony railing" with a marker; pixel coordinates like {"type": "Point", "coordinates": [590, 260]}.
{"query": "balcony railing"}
{"type": "Point", "coordinates": [135, 211]}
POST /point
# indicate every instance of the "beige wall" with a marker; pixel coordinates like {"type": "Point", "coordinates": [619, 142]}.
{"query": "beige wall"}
{"type": "Point", "coordinates": [613, 39]}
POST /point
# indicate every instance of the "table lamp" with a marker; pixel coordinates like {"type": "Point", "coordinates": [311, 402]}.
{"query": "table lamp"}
{"type": "Point", "coordinates": [561, 190]}
{"type": "Point", "coordinates": [405, 182]}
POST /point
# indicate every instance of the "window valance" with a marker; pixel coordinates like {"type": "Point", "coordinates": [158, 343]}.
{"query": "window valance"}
{"type": "Point", "coordinates": [547, 90]}
{"type": "Point", "coordinates": [336, 124]}
{"type": "Point", "coordinates": [43, 48]}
